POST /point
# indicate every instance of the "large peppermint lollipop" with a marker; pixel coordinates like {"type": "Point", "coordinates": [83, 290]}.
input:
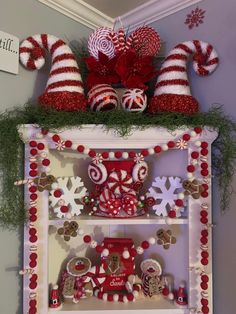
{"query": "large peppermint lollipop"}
{"type": "Point", "coordinates": [146, 41]}
{"type": "Point", "coordinates": [99, 41]}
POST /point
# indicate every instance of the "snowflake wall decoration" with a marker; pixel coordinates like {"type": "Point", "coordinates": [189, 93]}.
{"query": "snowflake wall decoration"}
{"type": "Point", "coordinates": [195, 18]}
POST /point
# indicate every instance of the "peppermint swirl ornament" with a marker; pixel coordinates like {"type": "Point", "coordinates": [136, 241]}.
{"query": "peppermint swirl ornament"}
{"type": "Point", "coordinates": [134, 100]}
{"type": "Point", "coordinates": [119, 182]}
{"type": "Point", "coordinates": [140, 171]}
{"type": "Point", "coordinates": [147, 41]}
{"type": "Point", "coordinates": [102, 97]}
{"type": "Point", "coordinates": [99, 41]}
{"type": "Point", "coordinates": [97, 173]}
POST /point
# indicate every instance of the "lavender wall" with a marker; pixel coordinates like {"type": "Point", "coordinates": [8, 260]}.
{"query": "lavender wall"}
{"type": "Point", "coordinates": [218, 29]}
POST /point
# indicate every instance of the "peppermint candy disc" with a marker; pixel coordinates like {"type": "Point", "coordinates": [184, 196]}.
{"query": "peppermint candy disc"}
{"type": "Point", "coordinates": [97, 173]}
{"type": "Point", "coordinates": [134, 100]}
{"type": "Point", "coordinates": [99, 41]}
{"type": "Point", "coordinates": [140, 171]}
{"type": "Point", "coordinates": [119, 182]}
{"type": "Point", "coordinates": [147, 41]}
{"type": "Point", "coordinates": [102, 97]}
{"type": "Point", "coordinates": [130, 203]}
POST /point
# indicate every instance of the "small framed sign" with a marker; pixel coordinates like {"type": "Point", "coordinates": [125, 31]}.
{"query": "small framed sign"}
{"type": "Point", "coordinates": [9, 53]}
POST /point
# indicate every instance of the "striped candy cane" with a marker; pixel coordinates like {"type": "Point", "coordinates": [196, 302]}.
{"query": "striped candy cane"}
{"type": "Point", "coordinates": [172, 91]}
{"type": "Point", "coordinates": [64, 89]}
{"type": "Point", "coordinates": [22, 182]}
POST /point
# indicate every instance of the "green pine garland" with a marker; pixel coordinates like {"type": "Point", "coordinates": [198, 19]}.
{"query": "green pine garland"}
{"type": "Point", "coordinates": [12, 208]}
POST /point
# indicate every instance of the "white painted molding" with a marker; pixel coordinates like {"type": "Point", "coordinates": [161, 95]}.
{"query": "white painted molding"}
{"type": "Point", "coordinates": [147, 13]}
{"type": "Point", "coordinates": [154, 10]}
{"type": "Point", "coordinates": [81, 12]}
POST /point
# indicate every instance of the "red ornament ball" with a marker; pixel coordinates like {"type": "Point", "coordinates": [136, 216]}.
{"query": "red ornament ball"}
{"type": "Point", "coordinates": [87, 238]}
{"type": "Point", "coordinates": [132, 154]}
{"type": "Point", "coordinates": [32, 303]}
{"type": "Point", "coordinates": [102, 97]}
{"type": "Point", "coordinates": [134, 100]}
{"type": "Point", "coordinates": [33, 264]}
{"type": "Point", "coordinates": [45, 162]}
{"type": "Point", "coordinates": [68, 144]}
{"type": "Point", "coordinates": [204, 145]}
{"type": "Point", "coordinates": [80, 148]}
{"type": "Point", "coordinates": [204, 278]}
{"type": "Point", "coordinates": [64, 209]}
{"type": "Point", "coordinates": [133, 252]}
{"type": "Point", "coordinates": [40, 146]}
{"type": "Point", "coordinates": [33, 152]}
{"type": "Point", "coordinates": [204, 240]}
{"type": "Point", "coordinates": [205, 186]}
{"type": "Point", "coordinates": [32, 143]}
{"type": "Point", "coordinates": [105, 155]}
{"type": "Point", "coordinates": [32, 231]}
{"type": "Point", "coordinates": [32, 310]}
{"type": "Point", "coordinates": [186, 137]}
{"type": "Point", "coordinates": [195, 155]}
{"type": "Point", "coordinates": [33, 256]}
{"type": "Point", "coordinates": [33, 218]}
{"type": "Point", "coordinates": [204, 261]}
{"type": "Point", "coordinates": [190, 168]}
{"type": "Point", "coordinates": [204, 152]}
{"type": "Point", "coordinates": [204, 301]}
{"type": "Point", "coordinates": [44, 131]}
{"type": "Point", "coordinates": [33, 189]}
{"type": "Point", "coordinates": [204, 172]}
{"type": "Point", "coordinates": [33, 196]}
{"type": "Point", "coordinates": [204, 254]}
{"type": "Point", "coordinates": [204, 194]}
{"type": "Point", "coordinates": [118, 154]}
{"type": "Point", "coordinates": [56, 138]}
{"type": "Point", "coordinates": [205, 309]}
{"type": "Point", "coordinates": [130, 296]}
{"type": "Point", "coordinates": [33, 239]}
{"type": "Point", "coordinates": [92, 153]}
{"type": "Point", "coordinates": [57, 193]}
{"type": "Point", "coordinates": [204, 233]}
{"type": "Point", "coordinates": [33, 210]}
{"type": "Point", "coordinates": [33, 285]}
{"type": "Point", "coordinates": [144, 152]}
{"type": "Point", "coordinates": [100, 295]}
{"type": "Point", "coordinates": [198, 130]}
{"type": "Point", "coordinates": [157, 149]}
{"type": "Point", "coordinates": [33, 165]}
{"type": "Point", "coordinates": [203, 213]}
{"type": "Point", "coordinates": [145, 245]}
{"type": "Point", "coordinates": [165, 291]}
{"type": "Point", "coordinates": [204, 165]}
{"type": "Point", "coordinates": [179, 203]}
{"type": "Point", "coordinates": [172, 214]}
{"type": "Point", "coordinates": [204, 220]}
{"type": "Point", "coordinates": [110, 297]}
{"type": "Point", "coordinates": [99, 248]}
{"type": "Point", "coordinates": [171, 144]}
{"type": "Point", "coordinates": [33, 173]}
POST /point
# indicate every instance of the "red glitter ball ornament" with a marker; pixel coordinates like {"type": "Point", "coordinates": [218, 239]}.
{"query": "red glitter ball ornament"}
{"type": "Point", "coordinates": [32, 231]}
{"type": "Point", "coordinates": [33, 173]}
{"type": "Point", "coordinates": [194, 155]}
{"type": "Point", "coordinates": [157, 149]}
{"type": "Point", "coordinates": [204, 194]}
{"type": "Point", "coordinates": [204, 233]}
{"type": "Point", "coordinates": [33, 239]}
{"type": "Point", "coordinates": [44, 131]}
{"type": "Point", "coordinates": [130, 296]}
{"type": "Point", "coordinates": [33, 196]}
{"type": "Point", "coordinates": [204, 254]}
{"type": "Point", "coordinates": [87, 238]}
{"type": "Point", "coordinates": [40, 146]}
{"type": "Point", "coordinates": [33, 256]}
{"type": "Point", "coordinates": [80, 148]}
{"type": "Point", "coordinates": [33, 218]}
{"type": "Point", "coordinates": [33, 285]}
{"type": "Point", "coordinates": [204, 172]}
{"type": "Point", "coordinates": [56, 138]}
{"type": "Point", "coordinates": [204, 165]}
{"type": "Point", "coordinates": [203, 213]}
{"type": "Point", "coordinates": [33, 165]}
{"type": "Point", "coordinates": [204, 301]}
{"type": "Point", "coordinates": [205, 186]}
{"type": "Point", "coordinates": [165, 291]}
{"type": "Point", "coordinates": [145, 245]}
{"type": "Point", "coordinates": [33, 210]}
{"type": "Point", "coordinates": [100, 295]}
{"type": "Point", "coordinates": [118, 154]}
{"type": "Point", "coordinates": [32, 303]}
{"type": "Point", "coordinates": [204, 285]}
{"type": "Point", "coordinates": [171, 144]}
{"type": "Point", "coordinates": [204, 240]}
{"type": "Point", "coordinates": [144, 152]}
{"type": "Point", "coordinates": [204, 278]}
{"type": "Point", "coordinates": [32, 310]}
{"type": "Point", "coordinates": [204, 220]}
{"type": "Point", "coordinates": [68, 144]}
{"type": "Point", "coordinates": [33, 264]}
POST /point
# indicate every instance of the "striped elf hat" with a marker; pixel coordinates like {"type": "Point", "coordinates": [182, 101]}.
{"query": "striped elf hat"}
{"type": "Point", "coordinates": [64, 89]}
{"type": "Point", "coordinates": [172, 93]}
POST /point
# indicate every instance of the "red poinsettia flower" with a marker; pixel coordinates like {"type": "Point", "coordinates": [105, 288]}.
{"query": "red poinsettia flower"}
{"type": "Point", "coordinates": [101, 71]}
{"type": "Point", "coordinates": [135, 71]}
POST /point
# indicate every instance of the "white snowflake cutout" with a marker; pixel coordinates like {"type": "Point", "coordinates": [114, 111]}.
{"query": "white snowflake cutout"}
{"type": "Point", "coordinates": [72, 192]}
{"type": "Point", "coordinates": [165, 191]}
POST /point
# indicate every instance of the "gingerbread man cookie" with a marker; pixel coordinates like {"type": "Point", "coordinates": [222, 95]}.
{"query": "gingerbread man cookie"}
{"type": "Point", "coordinates": [165, 238]}
{"type": "Point", "coordinates": [193, 188]}
{"type": "Point", "coordinates": [68, 230]}
{"type": "Point", "coordinates": [44, 182]}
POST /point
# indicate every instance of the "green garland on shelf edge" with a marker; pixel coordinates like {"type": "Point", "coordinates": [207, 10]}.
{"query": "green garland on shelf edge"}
{"type": "Point", "coordinates": [12, 208]}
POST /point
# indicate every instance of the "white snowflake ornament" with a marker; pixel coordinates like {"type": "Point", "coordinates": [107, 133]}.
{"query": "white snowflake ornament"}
{"type": "Point", "coordinates": [67, 198]}
{"type": "Point", "coordinates": [165, 191]}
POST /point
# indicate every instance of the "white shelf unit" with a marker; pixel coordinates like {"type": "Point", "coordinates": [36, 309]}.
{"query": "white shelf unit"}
{"type": "Point", "coordinates": [95, 136]}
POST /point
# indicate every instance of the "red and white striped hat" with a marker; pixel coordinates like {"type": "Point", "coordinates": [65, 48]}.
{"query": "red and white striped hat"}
{"type": "Point", "coordinates": [64, 89]}
{"type": "Point", "coordinates": [172, 93]}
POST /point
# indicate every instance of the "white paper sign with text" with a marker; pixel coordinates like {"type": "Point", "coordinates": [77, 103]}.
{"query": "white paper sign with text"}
{"type": "Point", "coordinates": [9, 53]}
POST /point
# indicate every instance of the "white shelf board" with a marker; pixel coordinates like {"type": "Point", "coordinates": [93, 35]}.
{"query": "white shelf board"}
{"type": "Point", "coordinates": [95, 306]}
{"type": "Point", "coordinates": [152, 219]}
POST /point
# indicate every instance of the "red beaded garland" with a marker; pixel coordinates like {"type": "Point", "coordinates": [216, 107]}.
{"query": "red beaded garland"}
{"type": "Point", "coordinates": [33, 210]}
{"type": "Point", "coordinates": [204, 172]}
{"type": "Point", "coordinates": [204, 165]}
{"type": "Point", "coordinates": [33, 165]}
{"type": "Point", "coordinates": [92, 153]}
{"type": "Point", "coordinates": [33, 151]}
{"type": "Point", "coordinates": [68, 144]}
{"type": "Point", "coordinates": [204, 233]}
{"type": "Point", "coordinates": [204, 254]}
{"type": "Point", "coordinates": [204, 145]}
{"type": "Point", "coordinates": [33, 196]}
{"type": "Point", "coordinates": [204, 194]}
{"type": "Point", "coordinates": [186, 137]}
{"type": "Point", "coordinates": [118, 154]}
{"type": "Point", "coordinates": [132, 154]}
{"type": "Point", "coordinates": [204, 152]}
{"type": "Point", "coordinates": [145, 245]}
{"type": "Point", "coordinates": [190, 168]}
{"type": "Point", "coordinates": [105, 155]}
{"type": "Point", "coordinates": [171, 144]}
{"type": "Point", "coordinates": [204, 261]}
{"type": "Point", "coordinates": [32, 303]}
{"type": "Point", "coordinates": [87, 238]}
{"type": "Point", "coordinates": [64, 209]}
{"type": "Point", "coordinates": [33, 285]}
{"type": "Point", "coordinates": [33, 189]}
{"type": "Point", "coordinates": [179, 203]}
{"type": "Point", "coordinates": [130, 296]}
{"type": "Point", "coordinates": [32, 231]}
{"type": "Point", "coordinates": [44, 131]}
{"type": "Point", "coordinates": [157, 149]}
{"type": "Point", "coordinates": [57, 193]}
{"type": "Point", "coordinates": [144, 152]}
{"type": "Point", "coordinates": [172, 214]}
{"type": "Point", "coordinates": [204, 285]}
{"type": "Point", "coordinates": [204, 220]}
{"type": "Point", "coordinates": [33, 218]}
{"type": "Point", "coordinates": [204, 240]}
{"type": "Point", "coordinates": [195, 155]}
{"type": "Point", "coordinates": [32, 264]}
{"type": "Point", "coordinates": [80, 148]}
{"type": "Point", "coordinates": [46, 162]}
{"type": "Point", "coordinates": [33, 173]}
{"type": "Point", "coordinates": [40, 146]}
{"type": "Point", "coordinates": [56, 138]}
{"type": "Point", "coordinates": [198, 130]}
{"type": "Point", "coordinates": [33, 256]}
{"type": "Point", "coordinates": [203, 213]}
{"type": "Point", "coordinates": [204, 301]}
{"type": "Point", "coordinates": [205, 186]}
{"type": "Point", "coordinates": [205, 309]}
{"type": "Point", "coordinates": [33, 239]}
{"type": "Point", "coordinates": [204, 278]}
{"type": "Point", "coordinates": [32, 143]}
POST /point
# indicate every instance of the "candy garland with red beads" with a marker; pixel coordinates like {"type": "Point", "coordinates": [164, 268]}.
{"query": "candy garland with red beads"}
{"type": "Point", "coordinates": [119, 297]}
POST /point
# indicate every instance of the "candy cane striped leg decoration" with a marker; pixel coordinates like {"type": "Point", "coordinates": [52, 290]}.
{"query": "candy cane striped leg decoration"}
{"type": "Point", "coordinates": [172, 91]}
{"type": "Point", "coordinates": [22, 182]}
{"type": "Point", "coordinates": [64, 90]}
